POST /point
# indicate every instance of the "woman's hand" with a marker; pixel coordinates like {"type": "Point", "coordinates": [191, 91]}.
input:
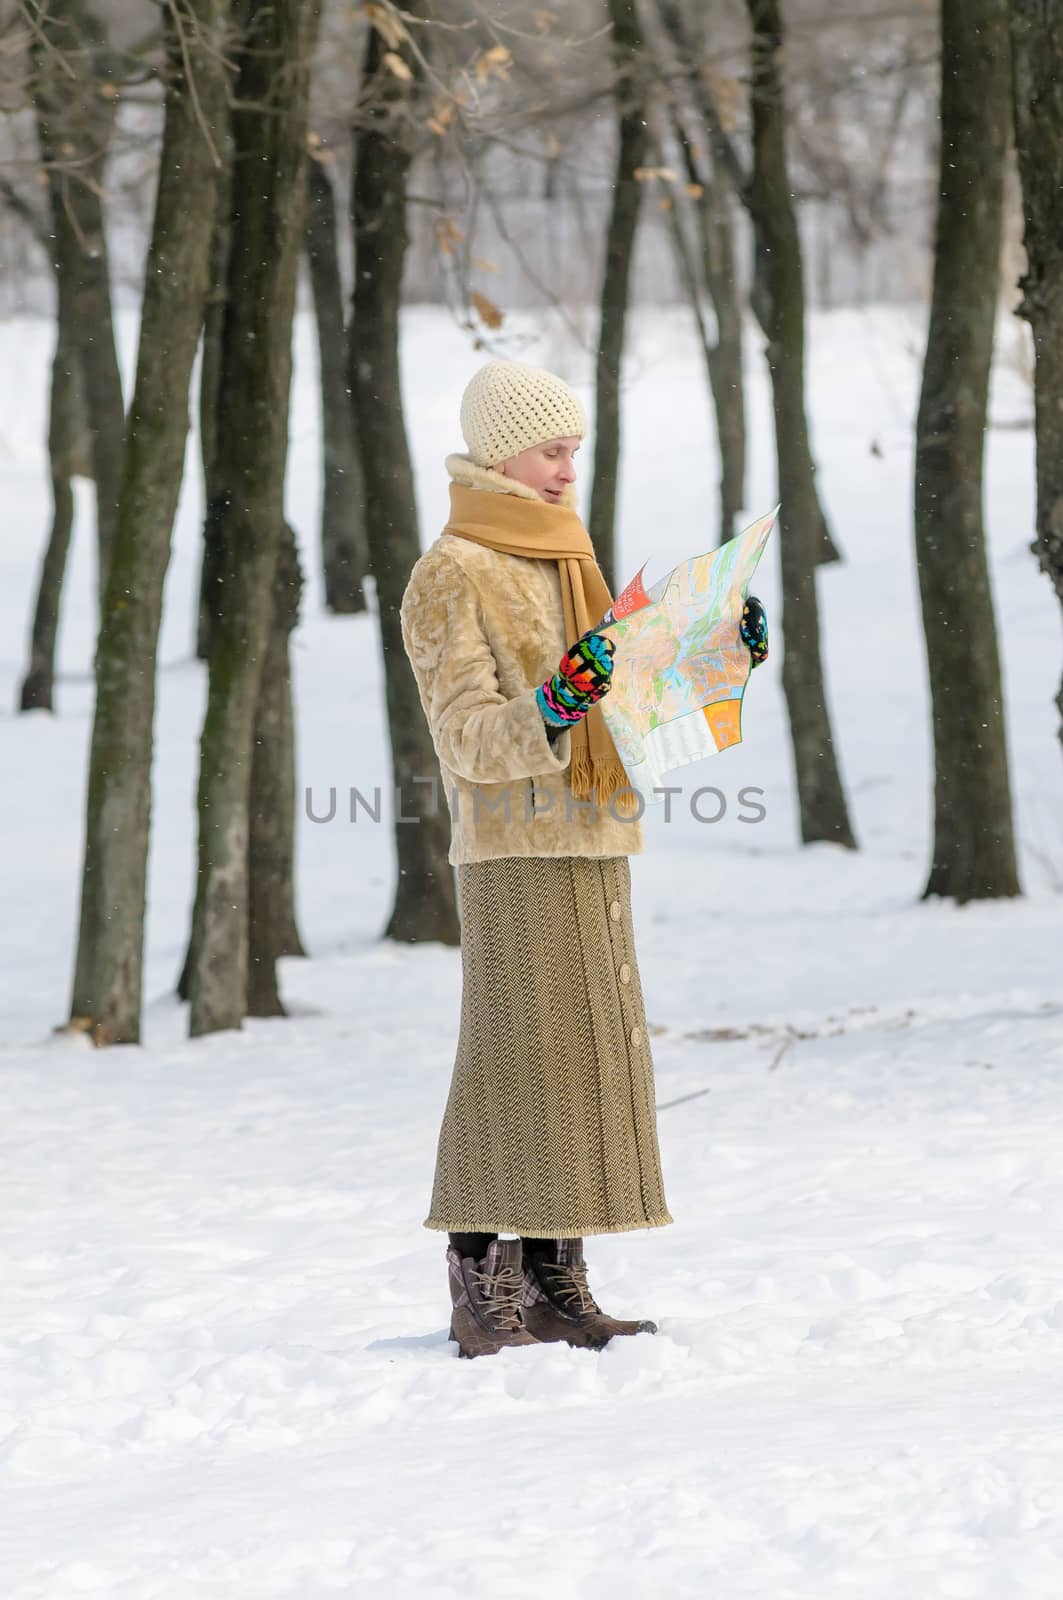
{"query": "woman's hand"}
{"type": "Point", "coordinates": [583, 676]}
{"type": "Point", "coordinates": [753, 629]}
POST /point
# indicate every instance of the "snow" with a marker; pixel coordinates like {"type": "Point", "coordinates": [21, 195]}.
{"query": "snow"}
{"type": "Point", "coordinates": [223, 1356]}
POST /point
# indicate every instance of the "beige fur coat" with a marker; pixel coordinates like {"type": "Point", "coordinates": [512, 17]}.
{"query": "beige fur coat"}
{"type": "Point", "coordinates": [482, 631]}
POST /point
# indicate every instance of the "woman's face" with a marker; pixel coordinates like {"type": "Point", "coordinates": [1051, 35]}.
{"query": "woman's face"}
{"type": "Point", "coordinates": [548, 468]}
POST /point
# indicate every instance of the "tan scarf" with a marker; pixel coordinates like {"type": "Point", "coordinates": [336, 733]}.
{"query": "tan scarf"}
{"type": "Point", "coordinates": [519, 526]}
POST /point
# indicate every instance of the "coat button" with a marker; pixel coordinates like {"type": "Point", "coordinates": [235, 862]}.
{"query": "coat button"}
{"type": "Point", "coordinates": [614, 910]}
{"type": "Point", "coordinates": [636, 1036]}
{"type": "Point", "coordinates": [625, 972]}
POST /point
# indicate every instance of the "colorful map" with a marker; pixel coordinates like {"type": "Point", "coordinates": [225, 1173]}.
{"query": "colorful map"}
{"type": "Point", "coordinates": [680, 668]}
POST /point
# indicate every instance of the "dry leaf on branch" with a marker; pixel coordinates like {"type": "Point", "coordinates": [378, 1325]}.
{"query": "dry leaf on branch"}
{"type": "Point", "coordinates": [493, 63]}
{"type": "Point", "coordinates": [486, 310]}
{"type": "Point", "coordinates": [396, 66]}
{"type": "Point", "coordinates": [390, 27]}
{"type": "Point", "coordinates": [441, 118]}
{"type": "Point", "coordinates": [448, 235]}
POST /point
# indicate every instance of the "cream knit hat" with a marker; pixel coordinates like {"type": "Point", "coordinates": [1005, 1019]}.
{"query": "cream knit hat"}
{"type": "Point", "coordinates": [508, 407]}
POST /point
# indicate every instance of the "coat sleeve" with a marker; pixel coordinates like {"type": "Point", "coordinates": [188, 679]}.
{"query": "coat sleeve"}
{"type": "Point", "coordinates": [477, 732]}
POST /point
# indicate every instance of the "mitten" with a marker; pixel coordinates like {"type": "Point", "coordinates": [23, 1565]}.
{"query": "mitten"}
{"type": "Point", "coordinates": [583, 676]}
{"type": "Point", "coordinates": [753, 629]}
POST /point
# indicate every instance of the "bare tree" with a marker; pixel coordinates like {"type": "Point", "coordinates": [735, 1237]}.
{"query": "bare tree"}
{"type": "Point", "coordinates": [1037, 72]}
{"type": "Point", "coordinates": [107, 992]}
{"type": "Point", "coordinates": [425, 905]}
{"type": "Point", "coordinates": [344, 548]}
{"type": "Point", "coordinates": [65, 441]}
{"type": "Point", "coordinates": [632, 147]}
{"type": "Point", "coordinates": [711, 266]}
{"type": "Point", "coordinates": [728, 173]}
{"type": "Point", "coordinates": [269, 128]}
{"type": "Point", "coordinates": [75, 107]}
{"type": "Point", "coordinates": [973, 850]}
{"type": "Point", "coordinates": [271, 925]}
{"type": "Point", "coordinates": [210, 395]}
{"type": "Point", "coordinates": [780, 296]}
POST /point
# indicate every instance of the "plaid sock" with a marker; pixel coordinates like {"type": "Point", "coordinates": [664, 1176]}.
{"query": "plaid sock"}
{"type": "Point", "coordinates": [472, 1245]}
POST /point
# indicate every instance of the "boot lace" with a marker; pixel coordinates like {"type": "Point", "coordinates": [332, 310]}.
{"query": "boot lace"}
{"type": "Point", "coordinates": [501, 1291]}
{"type": "Point", "coordinates": [569, 1284]}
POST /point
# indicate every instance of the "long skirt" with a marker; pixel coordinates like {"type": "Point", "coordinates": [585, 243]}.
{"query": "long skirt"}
{"type": "Point", "coordinates": [550, 1127]}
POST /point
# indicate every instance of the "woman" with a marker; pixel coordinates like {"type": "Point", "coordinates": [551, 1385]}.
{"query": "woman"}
{"type": "Point", "coordinates": [550, 1130]}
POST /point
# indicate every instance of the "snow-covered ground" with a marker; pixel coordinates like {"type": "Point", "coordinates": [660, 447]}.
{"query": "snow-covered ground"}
{"type": "Point", "coordinates": [223, 1356]}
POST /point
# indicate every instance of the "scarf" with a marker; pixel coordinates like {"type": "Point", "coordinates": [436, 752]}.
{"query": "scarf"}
{"type": "Point", "coordinates": [524, 525]}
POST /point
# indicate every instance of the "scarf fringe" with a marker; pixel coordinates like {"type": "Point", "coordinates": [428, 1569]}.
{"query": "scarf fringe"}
{"type": "Point", "coordinates": [608, 779]}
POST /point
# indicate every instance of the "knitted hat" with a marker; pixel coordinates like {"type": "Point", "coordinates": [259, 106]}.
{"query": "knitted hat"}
{"type": "Point", "coordinates": [508, 407]}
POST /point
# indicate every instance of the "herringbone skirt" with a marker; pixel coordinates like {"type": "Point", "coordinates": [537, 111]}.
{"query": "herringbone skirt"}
{"type": "Point", "coordinates": [550, 1127]}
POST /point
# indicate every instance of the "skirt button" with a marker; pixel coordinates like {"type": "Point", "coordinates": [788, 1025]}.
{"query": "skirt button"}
{"type": "Point", "coordinates": [625, 972]}
{"type": "Point", "coordinates": [636, 1036]}
{"type": "Point", "coordinates": [614, 910]}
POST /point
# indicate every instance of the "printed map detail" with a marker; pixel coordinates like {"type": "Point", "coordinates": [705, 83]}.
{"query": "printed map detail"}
{"type": "Point", "coordinates": [680, 668]}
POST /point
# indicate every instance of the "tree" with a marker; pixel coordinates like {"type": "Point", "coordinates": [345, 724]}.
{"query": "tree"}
{"type": "Point", "coordinates": [973, 850]}
{"type": "Point", "coordinates": [64, 416]}
{"type": "Point", "coordinates": [210, 396]}
{"type": "Point", "coordinates": [345, 554]}
{"type": "Point", "coordinates": [710, 196]}
{"type": "Point", "coordinates": [269, 129]}
{"type": "Point", "coordinates": [780, 295]}
{"type": "Point", "coordinates": [726, 176]}
{"type": "Point", "coordinates": [271, 925]}
{"type": "Point", "coordinates": [632, 147]}
{"type": "Point", "coordinates": [75, 107]}
{"type": "Point", "coordinates": [1037, 76]}
{"type": "Point", "coordinates": [107, 992]}
{"type": "Point", "coordinates": [425, 905]}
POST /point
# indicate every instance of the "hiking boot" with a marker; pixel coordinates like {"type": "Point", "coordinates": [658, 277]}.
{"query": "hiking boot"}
{"type": "Point", "coordinates": [486, 1294]}
{"type": "Point", "coordinates": [558, 1303]}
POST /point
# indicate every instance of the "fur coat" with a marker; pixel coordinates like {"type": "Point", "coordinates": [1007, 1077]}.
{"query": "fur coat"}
{"type": "Point", "coordinates": [482, 630]}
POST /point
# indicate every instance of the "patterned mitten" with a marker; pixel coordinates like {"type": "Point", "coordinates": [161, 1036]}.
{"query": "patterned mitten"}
{"type": "Point", "coordinates": [583, 676]}
{"type": "Point", "coordinates": [754, 630]}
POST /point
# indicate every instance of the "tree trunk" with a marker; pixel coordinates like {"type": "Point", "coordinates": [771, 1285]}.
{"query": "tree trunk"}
{"type": "Point", "coordinates": [632, 146]}
{"type": "Point", "coordinates": [268, 184]}
{"type": "Point", "coordinates": [1036, 35]}
{"type": "Point", "coordinates": [272, 932]}
{"type": "Point", "coordinates": [119, 792]}
{"type": "Point", "coordinates": [209, 393]}
{"type": "Point", "coordinates": [723, 359]}
{"type": "Point", "coordinates": [425, 904]}
{"type": "Point", "coordinates": [345, 553]}
{"type": "Point", "coordinates": [730, 174]}
{"type": "Point", "coordinates": [75, 120]}
{"type": "Point", "coordinates": [974, 851]}
{"type": "Point", "coordinates": [38, 686]}
{"type": "Point", "coordinates": [726, 375]}
{"type": "Point", "coordinates": [823, 813]}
